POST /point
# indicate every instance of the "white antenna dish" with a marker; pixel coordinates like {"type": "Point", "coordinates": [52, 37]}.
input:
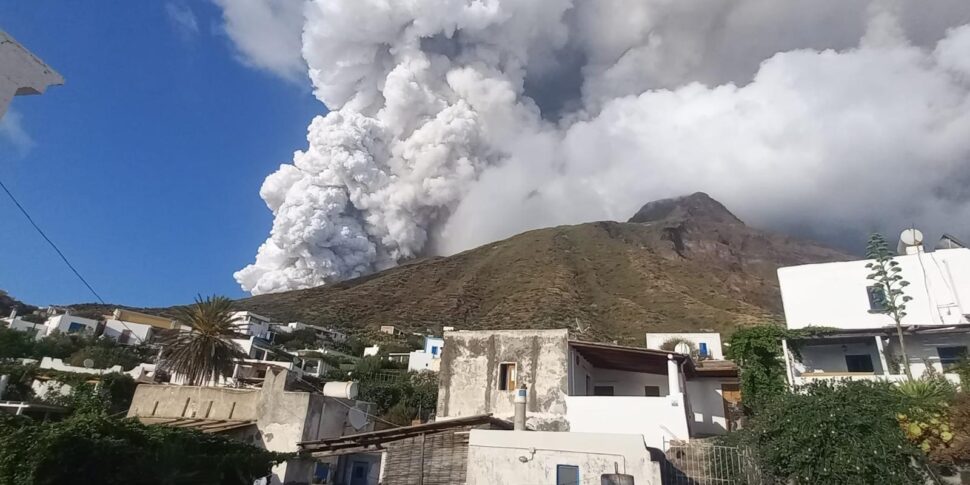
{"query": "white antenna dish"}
{"type": "Point", "coordinates": [88, 363]}
{"type": "Point", "coordinates": [682, 348]}
{"type": "Point", "coordinates": [357, 418]}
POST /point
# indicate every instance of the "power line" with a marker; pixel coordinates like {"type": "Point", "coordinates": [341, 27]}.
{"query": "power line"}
{"type": "Point", "coordinates": [59, 253]}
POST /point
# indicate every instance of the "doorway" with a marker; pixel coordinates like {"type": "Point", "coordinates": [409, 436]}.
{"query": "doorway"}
{"type": "Point", "coordinates": [731, 397]}
{"type": "Point", "coordinates": [358, 473]}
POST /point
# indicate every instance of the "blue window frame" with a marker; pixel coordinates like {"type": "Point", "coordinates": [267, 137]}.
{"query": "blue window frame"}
{"type": "Point", "coordinates": [434, 350]}
{"type": "Point", "coordinates": [567, 475]}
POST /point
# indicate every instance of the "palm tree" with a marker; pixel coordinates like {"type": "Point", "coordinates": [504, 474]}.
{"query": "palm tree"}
{"type": "Point", "coordinates": [206, 353]}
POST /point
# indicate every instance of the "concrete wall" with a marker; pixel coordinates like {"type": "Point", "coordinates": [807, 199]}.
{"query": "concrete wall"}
{"type": "Point", "coordinates": [707, 405]}
{"type": "Point", "coordinates": [468, 379]}
{"type": "Point", "coordinates": [25, 326]}
{"type": "Point", "coordinates": [834, 294]}
{"type": "Point", "coordinates": [140, 333]}
{"type": "Point", "coordinates": [656, 418]}
{"type": "Point", "coordinates": [192, 401]}
{"type": "Point", "coordinates": [420, 360]}
{"type": "Point", "coordinates": [493, 457]}
{"type": "Point", "coordinates": [712, 339]}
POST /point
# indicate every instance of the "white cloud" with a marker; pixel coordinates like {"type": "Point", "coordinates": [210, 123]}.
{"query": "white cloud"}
{"type": "Point", "coordinates": [183, 20]}
{"type": "Point", "coordinates": [267, 34]}
{"type": "Point", "coordinates": [12, 132]}
{"type": "Point", "coordinates": [456, 123]}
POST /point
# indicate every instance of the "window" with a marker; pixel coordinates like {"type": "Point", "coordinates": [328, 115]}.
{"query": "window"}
{"type": "Point", "coordinates": [434, 350]}
{"type": "Point", "coordinates": [858, 363]}
{"type": "Point", "coordinates": [602, 390]}
{"type": "Point", "coordinates": [506, 376]}
{"type": "Point", "coordinates": [651, 391]}
{"type": "Point", "coordinates": [951, 356]}
{"type": "Point", "coordinates": [877, 299]}
{"type": "Point", "coordinates": [567, 475]}
{"type": "Point", "coordinates": [75, 327]}
{"type": "Point", "coordinates": [124, 337]}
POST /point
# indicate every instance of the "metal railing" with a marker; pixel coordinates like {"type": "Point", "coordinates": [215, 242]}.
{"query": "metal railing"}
{"type": "Point", "coordinates": [704, 463]}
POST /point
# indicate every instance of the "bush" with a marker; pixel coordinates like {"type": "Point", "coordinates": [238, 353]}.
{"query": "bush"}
{"type": "Point", "coordinates": [845, 433]}
{"type": "Point", "coordinates": [108, 353]}
{"type": "Point", "coordinates": [95, 449]}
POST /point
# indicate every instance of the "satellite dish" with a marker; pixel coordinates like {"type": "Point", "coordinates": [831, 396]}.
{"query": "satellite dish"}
{"type": "Point", "coordinates": [682, 348]}
{"type": "Point", "coordinates": [88, 363]}
{"type": "Point", "coordinates": [357, 418]}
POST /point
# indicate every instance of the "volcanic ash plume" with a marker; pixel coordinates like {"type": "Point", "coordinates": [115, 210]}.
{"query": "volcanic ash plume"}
{"type": "Point", "coordinates": [456, 122]}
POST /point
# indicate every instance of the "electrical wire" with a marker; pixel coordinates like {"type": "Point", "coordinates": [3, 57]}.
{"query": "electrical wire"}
{"type": "Point", "coordinates": [56, 249]}
{"type": "Point", "coordinates": [60, 253]}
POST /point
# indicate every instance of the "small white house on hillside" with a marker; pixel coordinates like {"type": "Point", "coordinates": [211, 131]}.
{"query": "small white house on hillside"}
{"type": "Point", "coordinates": [427, 358]}
{"type": "Point", "coordinates": [865, 344]}
{"type": "Point", "coordinates": [67, 324]}
{"type": "Point", "coordinates": [249, 323]}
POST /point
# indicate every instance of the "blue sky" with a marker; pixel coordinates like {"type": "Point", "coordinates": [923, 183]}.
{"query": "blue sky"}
{"type": "Point", "coordinates": [145, 166]}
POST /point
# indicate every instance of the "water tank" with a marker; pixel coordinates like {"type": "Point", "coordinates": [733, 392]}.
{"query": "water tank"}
{"type": "Point", "coordinates": [910, 242]}
{"type": "Point", "coordinates": [342, 390]}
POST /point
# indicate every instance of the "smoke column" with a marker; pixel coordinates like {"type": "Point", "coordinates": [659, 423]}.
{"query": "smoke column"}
{"type": "Point", "coordinates": [456, 122]}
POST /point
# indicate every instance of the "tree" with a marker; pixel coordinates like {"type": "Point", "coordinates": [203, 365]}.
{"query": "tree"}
{"type": "Point", "coordinates": [890, 284]}
{"type": "Point", "coordinates": [205, 353]}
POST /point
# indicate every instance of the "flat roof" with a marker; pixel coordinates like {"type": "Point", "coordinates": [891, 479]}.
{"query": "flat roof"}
{"type": "Point", "coordinates": [632, 359]}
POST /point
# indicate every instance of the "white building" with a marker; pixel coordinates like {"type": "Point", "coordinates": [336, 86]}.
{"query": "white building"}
{"type": "Point", "coordinates": [249, 323]}
{"type": "Point", "coordinates": [865, 345]}
{"type": "Point", "coordinates": [583, 386]}
{"type": "Point", "coordinates": [13, 322]}
{"type": "Point", "coordinates": [706, 344]}
{"type": "Point", "coordinates": [69, 324]}
{"type": "Point", "coordinates": [428, 358]}
{"type": "Point", "coordinates": [133, 328]}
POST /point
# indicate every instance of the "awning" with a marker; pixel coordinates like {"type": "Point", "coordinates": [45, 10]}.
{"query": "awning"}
{"type": "Point", "coordinates": [631, 359]}
{"type": "Point", "coordinates": [204, 425]}
{"type": "Point", "coordinates": [374, 440]}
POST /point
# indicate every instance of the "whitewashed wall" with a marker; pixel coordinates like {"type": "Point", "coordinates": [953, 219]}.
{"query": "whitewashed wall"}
{"type": "Point", "coordinates": [656, 418]}
{"type": "Point", "coordinates": [707, 405]}
{"type": "Point", "coordinates": [834, 294]}
{"type": "Point", "coordinates": [493, 457]}
{"type": "Point", "coordinates": [831, 357]}
{"type": "Point", "coordinates": [140, 333]}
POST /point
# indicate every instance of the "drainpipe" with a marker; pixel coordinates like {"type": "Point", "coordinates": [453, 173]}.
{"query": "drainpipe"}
{"type": "Point", "coordinates": [673, 375]}
{"type": "Point", "coordinates": [521, 396]}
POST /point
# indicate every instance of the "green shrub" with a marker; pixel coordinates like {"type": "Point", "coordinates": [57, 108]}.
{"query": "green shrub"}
{"type": "Point", "coordinates": [96, 449]}
{"type": "Point", "coordinates": [845, 433]}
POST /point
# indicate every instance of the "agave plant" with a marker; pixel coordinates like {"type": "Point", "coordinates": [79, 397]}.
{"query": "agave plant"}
{"type": "Point", "coordinates": [927, 393]}
{"type": "Point", "coordinates": [206, 353]}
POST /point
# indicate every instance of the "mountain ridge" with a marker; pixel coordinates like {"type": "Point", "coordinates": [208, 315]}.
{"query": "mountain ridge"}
{"type": "Point", "coordinates": [681, 264]}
